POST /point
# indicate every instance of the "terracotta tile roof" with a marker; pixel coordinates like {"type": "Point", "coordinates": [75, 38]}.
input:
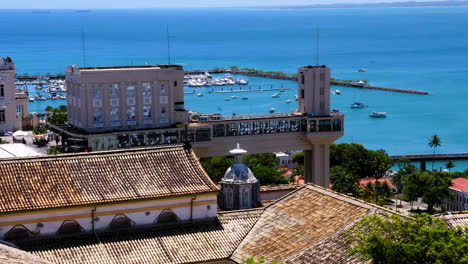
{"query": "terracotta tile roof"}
{"type": "Point", "coordinates": [309, 218]}
{"type": "Point", "coordinates": [99, 177]}
{"type": "Point", "coordinates": [333, 249]}
{"type": "Point", "coordinates": [456, 219]}
{"type": "Point", "coordinates": [460, 184]}
{"type": "Point", "coordinates": [10, 255]}
{"type": "Point", "coordinates": [185, 244]}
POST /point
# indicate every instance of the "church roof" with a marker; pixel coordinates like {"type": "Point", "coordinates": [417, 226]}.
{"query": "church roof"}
{"type": "Point", "coordinates": [308, 225]}
{"type": "Point", "coordinates": [311, 219]}
{"type": "Point", "coordinates": [202, 242]}
{"type": "Point", "coordinates": [100, 177]}
{"type": "Point", "coordinates": [12, 255]}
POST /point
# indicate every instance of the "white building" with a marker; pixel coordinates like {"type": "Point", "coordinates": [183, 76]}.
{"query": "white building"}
{"type": "Point", "coordinates": [459, 201]}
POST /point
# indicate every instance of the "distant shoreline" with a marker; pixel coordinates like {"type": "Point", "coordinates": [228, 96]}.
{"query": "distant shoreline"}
{"type": "Point", "coordinates": [410, 4]}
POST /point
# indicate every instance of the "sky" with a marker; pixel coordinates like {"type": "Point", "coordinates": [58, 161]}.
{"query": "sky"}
{"type": "Point", "coordinates": [110, 4]}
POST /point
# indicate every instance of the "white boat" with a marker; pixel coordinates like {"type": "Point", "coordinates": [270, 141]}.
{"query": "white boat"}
{"type": "Point", "coordinates": [31, 98]}
{"type": "Point", "coordinates": [276, 95]}
{"type": "Point", "coordinates": [361, 83]}
{"type": "Point", "coordinates": [241, 82]}
{"type": "Point", "coordinates": [296, 97]}
{"type": "Point", "coordinates": [378, 114]}
{"type": "Point", "coordinates": [272, 110]}
{"type": "Point", "coordinates": [337, 92]}
{"type": "Point", "coordinates": [234, 97]}
{"type": "Point", "coordinates": [362, 70]}
{"type": "Point", "coordinates": [40, 97]}
{"type": "Point", "coordinates": [288, 101]}
{"type": "Point", "coordinates": [199, 94]}
{"type": "Point", "coordinates": [357, 105]}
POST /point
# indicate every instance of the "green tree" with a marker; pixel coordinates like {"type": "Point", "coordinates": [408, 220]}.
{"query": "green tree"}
{"type": "Point", "coordinates": [422, 240]}
{"type": "Point", "coordinates": [234, 68]}
{"type": "Point", "coordinates": [268, 175]}
{"type": "Point", "coordinates": [434, 142]}
{"type": "Point", "coordinates": [449, 165]}
{"type": "Point", "coordinates": [360, 161]}
{"type": "Point", "coordinates": [215, 167]}
{"type": "Point", "coordinates": [262, 159]}
{"type": "Point", "coordinates": [259, 260]}
{"type": "Point", "coordinates": [298, 158]}
{"type": "Point", "coordinates": [343, 181]}
{"type": "Point", "coordinates": [432, 187]}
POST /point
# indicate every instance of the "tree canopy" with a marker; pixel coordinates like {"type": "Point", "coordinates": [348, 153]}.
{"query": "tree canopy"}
{"type": "Point", "coordinates": [419, 240]}
{"type": "Point", "coordinates": [264, 167]}
{"type": "Point", "coordinates": [360, 161]}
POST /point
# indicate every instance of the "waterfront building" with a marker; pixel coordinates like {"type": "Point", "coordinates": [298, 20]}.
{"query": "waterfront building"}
{"type": "Point", "coordinates": [125, 98]}
{"type": "Point", "coordinates": [239, 187]}
{"type": "Point", "coordinates": [13, 103]}
{"type": "Point", "coordinates": [311, 129]}
{"type": "Point", "coordinates": [459, 200]}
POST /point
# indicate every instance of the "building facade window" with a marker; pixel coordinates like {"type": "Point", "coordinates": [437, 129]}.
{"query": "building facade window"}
{"type": "Point", "coordinates": [229, 199]}
{"type": "Point", "coordinates": [97, 115]}
{"type": "Point", "coordinates": [2, 90]}
{"type": "Point", "coordinates": [17, 232]}
{"type": "Point", "coordinates": [121, 221]}
{"type": "Point", "coordinates": [131, 115]}
{"type": "Point", "coordinates": [69, 227]}
{"type": "Point", "coordinates": [146, 89]}
{"type": "Point", "coordinates": [2, 116]}
{"type": "Point", "coordinates": [147, 115]}
{"type": "Point", "coordinates": [114, 114]}
{"type": "Point", "coordinates": [96, 92]}
{"type": "Point", "coordinates": [131, 92]}
{"type": "Point", "coordinates": [114, 91]}
{"type": "Point", "coordinates": [166, 217]}
{"type": "Point", "coordinates": [163, 89]}
{"type": "Point", "coordinates": [245, 198]}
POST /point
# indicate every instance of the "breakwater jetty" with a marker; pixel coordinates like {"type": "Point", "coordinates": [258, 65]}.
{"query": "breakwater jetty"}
{"type": "Point", "coordinates": [294, 78]}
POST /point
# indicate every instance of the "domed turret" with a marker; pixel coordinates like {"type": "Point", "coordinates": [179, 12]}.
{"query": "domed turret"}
{"type": "Point", "coordinates": [240, 188]}
{"type": "Point", "coordinates": [238, 172]}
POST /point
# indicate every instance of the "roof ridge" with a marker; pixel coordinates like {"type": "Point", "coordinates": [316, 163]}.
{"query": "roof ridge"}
{"type": "Point", "coordinates": [93, 153]}
{"type": "Point", "coordinates": [350, 199]}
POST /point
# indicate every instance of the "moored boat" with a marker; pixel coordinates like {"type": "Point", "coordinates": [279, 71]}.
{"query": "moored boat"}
{"type": "Point", "coordinates": [357, 105]}
{"type": "Point", "coordinates": [378, 114]}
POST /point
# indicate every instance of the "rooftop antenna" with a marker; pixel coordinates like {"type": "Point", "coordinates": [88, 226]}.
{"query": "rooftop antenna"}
{"type": "Point", "coordinates": [317, 46]}
{"type": "Point", "coordinates": [83, 47]}
{"type": "Point", "coordinates": [168, 46]}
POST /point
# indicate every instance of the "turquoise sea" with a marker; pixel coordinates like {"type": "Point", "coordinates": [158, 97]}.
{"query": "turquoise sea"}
{"type": "Point", "coordinates": [413, 48]}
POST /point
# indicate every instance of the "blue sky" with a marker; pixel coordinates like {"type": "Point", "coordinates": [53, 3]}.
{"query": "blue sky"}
{"type": "Point", "coordinates": [52, 4]}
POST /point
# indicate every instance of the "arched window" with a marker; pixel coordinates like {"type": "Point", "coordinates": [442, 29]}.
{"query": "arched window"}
{"type": "Point", "coordinates": [121, 221]}
{"type": "Point", "coordinates": [69, 227]}
{"type": "Point", "coordinates": [17, 232]}
{"type": "Point", "coordinates": [167, 216]}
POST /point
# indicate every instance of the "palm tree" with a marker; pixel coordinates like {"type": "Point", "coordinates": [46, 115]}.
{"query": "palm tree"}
{"type": "Point", "coordinates": [449, 165]}
{"type": "Point", "coordinates": [434, 142]}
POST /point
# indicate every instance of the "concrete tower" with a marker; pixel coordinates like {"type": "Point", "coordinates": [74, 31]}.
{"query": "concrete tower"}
{"type": "Point", "coordinates": [314, 90]}
{"type": "Point", "coordinates": [7, 95]}
{"type": "Point", "coordinates": [239, 187]}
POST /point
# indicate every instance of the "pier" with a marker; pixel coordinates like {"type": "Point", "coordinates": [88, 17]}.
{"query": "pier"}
{"type": "Point", "coordinates": [294, 78]}
{"type": "Point", "coordinates": [254, 90]}
{"type": "Point", "coordinates": [430, 157]}
{"type": "Point", "coordinates": [422, 158]}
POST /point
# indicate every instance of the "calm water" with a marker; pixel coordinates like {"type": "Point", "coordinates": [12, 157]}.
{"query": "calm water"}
{"type": "Point", "coordinates": [415, 48]}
